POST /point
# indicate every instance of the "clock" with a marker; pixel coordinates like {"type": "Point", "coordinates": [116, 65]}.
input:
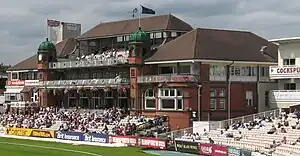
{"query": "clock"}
{"type": "Point", "coordinates": [40, 57]}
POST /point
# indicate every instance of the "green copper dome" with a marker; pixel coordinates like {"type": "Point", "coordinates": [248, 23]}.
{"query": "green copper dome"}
{"type": "Point", "coordinates": [47, 45]}
{"type": "Point", "coordinates": [139, 36]}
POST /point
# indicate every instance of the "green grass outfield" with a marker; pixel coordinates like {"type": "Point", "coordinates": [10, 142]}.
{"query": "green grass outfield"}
{"type": "Point", "coordinates": [20, 147]}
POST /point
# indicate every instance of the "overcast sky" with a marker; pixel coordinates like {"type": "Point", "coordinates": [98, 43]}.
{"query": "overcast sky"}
{"type": "Point", "coordinates": [23, 23]}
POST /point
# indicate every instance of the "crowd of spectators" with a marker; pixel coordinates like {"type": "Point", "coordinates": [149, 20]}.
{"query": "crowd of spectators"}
{"type": "Point", "coordinates": [113, 121]}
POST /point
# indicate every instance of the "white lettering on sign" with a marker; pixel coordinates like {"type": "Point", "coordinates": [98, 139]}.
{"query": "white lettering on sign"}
{"type": "Point", "coordinates": [290, 70]}
{"type": "Point", "coordinates": [16, 83]}
{"type": "Point", "coordinates": [153, 143]}
{"type": "Point", "coordinates": [124, 140]}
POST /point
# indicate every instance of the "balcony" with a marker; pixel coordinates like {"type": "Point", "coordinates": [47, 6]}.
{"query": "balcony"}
{"type": "Point", "coordinates": [284, 72]}
{"type": "Point", "coordinates": [167, 78]}
{"type": "Point", "coordinates": [84, 83]}
{"type": "Point", "coordinates": [284, 98]}
{"type": "Point", "coordinates": [88, 63]}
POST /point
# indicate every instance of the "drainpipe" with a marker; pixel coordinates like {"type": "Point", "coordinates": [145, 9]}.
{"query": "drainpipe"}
{"type": "Point", "coordinates": [229, 91]}
{"type": "Point", "coordinates": [199, 101]}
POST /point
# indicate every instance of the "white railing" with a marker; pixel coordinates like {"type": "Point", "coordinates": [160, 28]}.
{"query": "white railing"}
{"type": "Point", "coordinates": [214, 125]}
{"type": "Point", "coordinates": [284, 96]}
{"type": "Point", "coordinates": [167, 78]}
{"type": "Point", "coordinates": [88, 63]}
{"type": "Point", "coordinates": [87, 82]}
{"type": "Point", "coordinates": [283, 72]}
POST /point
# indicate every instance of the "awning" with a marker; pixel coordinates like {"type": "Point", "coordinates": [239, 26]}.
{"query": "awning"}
{"type": "Point", "coordinates": [14, 90]}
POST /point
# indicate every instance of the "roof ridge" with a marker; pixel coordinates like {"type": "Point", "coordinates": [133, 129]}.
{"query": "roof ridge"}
{"type": "Point", "coordinates": [196, 41]}
{"type": "Point", "coordinates": [64, 45]}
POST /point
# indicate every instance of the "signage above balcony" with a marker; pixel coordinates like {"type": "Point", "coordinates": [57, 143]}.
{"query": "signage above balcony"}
{"type": "Point", "coordinates": [285, 72]}
{"type": "Point", "coordinates": [167, 78]}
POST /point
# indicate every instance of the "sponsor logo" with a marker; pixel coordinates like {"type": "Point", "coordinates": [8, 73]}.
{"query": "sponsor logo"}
{"type": "Point", "coordinates": [16, 83]}
{"type": "Point", "coordinates": [125, 140]}
{"type": "Point", "coordinates": [290, 70]}
{"type": "Point", "coordinates": [153, 143]}
{"type": "Point", "coordinates": [206, 149]}
{"type": "Point", "coordinates": [187, 147]}
{"type": "Point", "coordinates": [67, 136]}
{"type": "Point", "coordinates": [42, 134]}
{"type": "Point", "coordinates": [18, 131]}
{"type": "Point", "coordinates": [94, 138]}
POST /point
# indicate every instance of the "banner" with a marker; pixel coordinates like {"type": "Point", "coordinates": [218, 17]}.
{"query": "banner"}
{"type": "Point", "coordinates": [30, 132]}
{"type": "Point", "coordinates": [234, 151]}
{"type": "Point", "coordinates": [74, 136]}
{"type": "Point", "coordinates": [187, 147]}
{"type": "Point", "coordinates": [206, 149]}
{"type": "Point", "coordinates": [245, 153]}
{"type": "Point", "coordinates": [153, 143]}
{"type": "Point", "coordinates": [218, 150]}
{"type": "Point", "coordinates": [95, 137]}
{"type": "Point", "coordinates": [128, 140]}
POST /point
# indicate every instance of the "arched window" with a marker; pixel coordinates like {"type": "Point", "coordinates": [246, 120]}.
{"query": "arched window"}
{"type": "Point", "coordinates": [170, 99]}
{"type": "Point", "coordinates": [149, 99]}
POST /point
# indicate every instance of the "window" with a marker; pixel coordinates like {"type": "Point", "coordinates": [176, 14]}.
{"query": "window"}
{"type": "Point", "coordinates": [217, 70]}
{"type": "Point", "coordinates": [149, 99]}
{"type": "Point", "coordinates": [170, 99]}
{"type": "Point", "coordinates": [173, 34]}
{"type": "Point", "coordinates": [222, 104]}
{"type": "Point", "coordinates": [289, 86]}
{"type": "Point", "coordinates": [158, 35]}
{"type": "Point", "coordinates": [249, 98]}
{"type": "Point", "coordinates": [185, 69]}
{"type": "Point", "coordinates": [12, 97]}
{"type": "Point", "coordinates": [264, 71]}
{"type": "Point", "coordinates": [14, 76]}
{"type": "Point", "coordinates": [120, 39]}
{"type": "Point", "coordinates": [218, 98]}
{"type": "Point", "coordinates": [167, 70]}
{"type": "Point", "coordinates": [289, 61]}
{"type": "Point", "coordinates": [243, 71]}
{"type": "Point", "coordinates": [213, 104]}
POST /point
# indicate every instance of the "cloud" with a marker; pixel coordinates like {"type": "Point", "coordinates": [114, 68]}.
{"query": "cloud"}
{"type": "Point", "coordinates": [23, 23]}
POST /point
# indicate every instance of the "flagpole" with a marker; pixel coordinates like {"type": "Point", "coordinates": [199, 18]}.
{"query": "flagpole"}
{"type": "Point", "coordinates": [47, 27]}
{"type": "Point", "coordinates": [140, 13]}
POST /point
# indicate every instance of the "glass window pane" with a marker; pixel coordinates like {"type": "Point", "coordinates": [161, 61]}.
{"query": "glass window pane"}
{"type": "Point", "coordinates": [150, 103]}
{"type": "Point", "coordinates": [213, 104]}
{"type": "Point", "coordinates": [179, 104]}
{"type": "Point", "coordinates": [213, 92]}
{"type": "Point", "coordinates": [222, 104]}
{"type": "Point", "coordinates": [168, 103]}
{"type": "Point", "coordinates": [172, 92]}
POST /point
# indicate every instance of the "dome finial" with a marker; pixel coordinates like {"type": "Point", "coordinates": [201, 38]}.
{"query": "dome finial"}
{"type": "Point", "coordinates": [47, 39]}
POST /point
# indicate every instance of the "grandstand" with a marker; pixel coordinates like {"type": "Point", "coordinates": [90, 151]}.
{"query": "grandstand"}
{"type": "Point", "coordinates": [273, 133]}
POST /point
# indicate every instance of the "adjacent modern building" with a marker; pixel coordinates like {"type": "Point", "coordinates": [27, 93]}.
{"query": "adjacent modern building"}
{"type": "Point", "coordinates": [287, 74]}
{"type": "Point", "coordinates": [165, 67]}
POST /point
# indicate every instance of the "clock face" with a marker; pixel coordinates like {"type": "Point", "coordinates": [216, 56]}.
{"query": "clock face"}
{"type": "Point", "coordinates": [40, 57]}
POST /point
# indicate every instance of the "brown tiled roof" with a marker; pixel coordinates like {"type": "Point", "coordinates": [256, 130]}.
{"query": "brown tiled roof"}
{"type": "Point", "coordinates": [212, 44]}
{"type": "Point", "coordinates": [163, 22]}
{"type": "Point", "coordinates": [62, 48]}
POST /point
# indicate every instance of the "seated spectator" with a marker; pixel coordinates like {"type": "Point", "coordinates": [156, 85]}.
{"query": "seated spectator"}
{"type": "Point", "coordinates": [238, 136]}
{"type": "Point", "coordinates": [283, 141]}
{"type": "Point", "coordinates": [211, 141]}
{"type": "Point", "coordinates": [282, 130]}
{"type": "Point", "coordinates": [272, 130]}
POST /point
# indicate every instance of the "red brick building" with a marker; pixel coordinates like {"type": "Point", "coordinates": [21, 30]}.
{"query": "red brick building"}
{"type": "Point", "coordinates": [166, 68]}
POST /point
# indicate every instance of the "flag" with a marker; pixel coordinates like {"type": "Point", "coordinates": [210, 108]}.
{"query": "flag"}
{"type": "Point", "coordinates": [53, 23]}
{"type": "Point", "coordinates": [147, 10]}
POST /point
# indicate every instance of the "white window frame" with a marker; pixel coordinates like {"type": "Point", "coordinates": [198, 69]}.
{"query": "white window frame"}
{"type": "Point", "coordinates": [11, 74]}
{"type": "Point", "coordinates": [243, 71]}
{"type": "Point", "coordinates": [176, 98]}
{"type": "Point", "coordinates": [222, 104]}
{"type": "Point", "coordinates": [249, 98]}
{"type": "Point", "coordinates": [148, 97]}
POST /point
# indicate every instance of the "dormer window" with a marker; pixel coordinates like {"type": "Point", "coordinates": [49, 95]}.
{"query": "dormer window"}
{"type": "Point", "coordinates": [120, 39]}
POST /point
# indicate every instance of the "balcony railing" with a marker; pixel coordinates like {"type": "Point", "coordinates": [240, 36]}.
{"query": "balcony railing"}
{"type": "Point", "coordinates": [284, 96]}
{"type": "Point", "coordinates": [167, 78]}
{"type": "Point", "coordinates": [88, 63]}
{"type": "Point", "coordinates": [82, 83]}
{"type": "Point", "coordinates": [283, 72]}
